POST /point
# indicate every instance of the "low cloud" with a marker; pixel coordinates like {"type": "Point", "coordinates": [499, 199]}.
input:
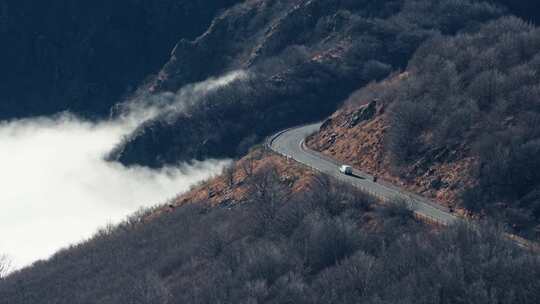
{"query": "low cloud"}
{"type": "Point", "coordinates": [57, 189]}
{"type": "Point", "coordinates": [148, 106]}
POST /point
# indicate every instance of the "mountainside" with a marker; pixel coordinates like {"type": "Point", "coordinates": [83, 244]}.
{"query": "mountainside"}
{"type": "Point", "coordinates": [438, 97]}
{"type": "Point", "coordinates": [271, 231]}
{"type": "Point", "coordinates": [86, 56]}
{"type": "Point", "coordinates": [302, 57]}
{"type": "Point", "coordinates": [460, 125]}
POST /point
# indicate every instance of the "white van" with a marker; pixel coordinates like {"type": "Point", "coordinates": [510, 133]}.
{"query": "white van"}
{"type": "Point", "coordinates": [347, 170]}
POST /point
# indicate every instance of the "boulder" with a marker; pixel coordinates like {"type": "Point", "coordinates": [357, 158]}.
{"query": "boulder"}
{"type": "Point", "coordinates": [363, 114]}
{"type": "Point", "coordinates": [326, 124]}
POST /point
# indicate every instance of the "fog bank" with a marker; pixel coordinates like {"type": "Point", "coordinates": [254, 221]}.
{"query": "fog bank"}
{"type": "Point", "coordinates": [56, 189]}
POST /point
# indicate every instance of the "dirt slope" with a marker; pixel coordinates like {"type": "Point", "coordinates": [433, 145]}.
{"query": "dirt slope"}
{"type": "Point", "coordinates": [357, 134]}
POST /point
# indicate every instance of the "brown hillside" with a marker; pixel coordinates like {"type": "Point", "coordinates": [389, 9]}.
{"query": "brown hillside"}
{"type": "Point", "coordinates": [233, 185]}
{"type": "Point", "coordinates": [356, 134]}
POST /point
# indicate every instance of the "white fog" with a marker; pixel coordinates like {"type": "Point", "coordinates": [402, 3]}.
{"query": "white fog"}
{"type": "Point", "coordinates": [56, 188]}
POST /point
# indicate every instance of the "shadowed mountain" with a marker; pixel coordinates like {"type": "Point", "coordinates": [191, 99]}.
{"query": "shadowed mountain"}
{"type": "Point", "coordinates": [85, 56]}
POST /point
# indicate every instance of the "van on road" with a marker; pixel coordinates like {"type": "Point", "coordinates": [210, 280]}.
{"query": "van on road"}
{"type": "Point", "coordinates": [345, 169]}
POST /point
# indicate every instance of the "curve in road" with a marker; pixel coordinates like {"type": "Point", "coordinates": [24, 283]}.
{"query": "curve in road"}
{"type": "Point", "coordinates": [290, 143]}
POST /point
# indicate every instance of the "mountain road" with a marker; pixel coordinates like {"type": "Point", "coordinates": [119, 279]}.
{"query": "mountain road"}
{"type": "Point", "coordinates": [290, 144]}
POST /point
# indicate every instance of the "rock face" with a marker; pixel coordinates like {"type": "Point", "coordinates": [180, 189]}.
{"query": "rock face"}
{"type": "Point", "coordinates": [363, 114]}
{"type": "Point", "coordinates": [84, 56]}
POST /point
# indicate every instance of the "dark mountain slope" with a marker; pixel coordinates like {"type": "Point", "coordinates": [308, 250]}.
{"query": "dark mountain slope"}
{"type": "Point", "coordinates": [303, 57]}
{"type": "Point", "coordinates": [83, 56]}
{"type": "Point", "coordinates": [526, 9]}
{"type": "Point", "coordinates": [324, 244]}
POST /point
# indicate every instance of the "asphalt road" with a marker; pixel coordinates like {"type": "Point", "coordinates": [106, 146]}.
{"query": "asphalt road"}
{"type": "Point", "coordinates": [290, 143]}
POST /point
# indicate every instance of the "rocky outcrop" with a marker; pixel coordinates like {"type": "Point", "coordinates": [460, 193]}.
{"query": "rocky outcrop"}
{"type": "Point", "coordinates": [363, 114]}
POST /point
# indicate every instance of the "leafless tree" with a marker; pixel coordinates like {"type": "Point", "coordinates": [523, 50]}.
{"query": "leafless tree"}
{"type": "Point", "coordinates": [267, 186]}
{"type": "Point", "coordinates": [228, 175]}
{"type": "Point", "coordinates": [269, 193]}
{"type": "Point", "coordinates": [150, 290]}
{"type": "Point", "coordinates": [5, 266]}
{"type": "Point", "coordinates": [248, 166]}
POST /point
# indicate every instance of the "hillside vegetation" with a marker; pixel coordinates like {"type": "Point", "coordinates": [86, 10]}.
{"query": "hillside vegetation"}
{"type": "Point", "coordinates": [439, 96]}
{"type": "Point", "coordinates": [324, 244]}
{"type": "Point", "coordinates": [465, 118]}
{"type": "Point", "coordinates": [481, 89]}
{"type": "Point", "coordinates": [303, 58]}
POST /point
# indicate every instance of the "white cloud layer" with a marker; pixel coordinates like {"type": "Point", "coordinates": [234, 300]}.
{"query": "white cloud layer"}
{"type": "Point", "coordinates": [56, 189]}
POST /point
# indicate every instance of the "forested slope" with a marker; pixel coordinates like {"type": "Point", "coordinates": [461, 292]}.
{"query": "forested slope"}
{"type": "Point", "coordinates": [463, 86]}
{"type": "Point", "coordinates": [461, 124]}
{"type": "Point", "coordinates": [321, 243]}
{"type": "Point", "coordinates": [303, 58]}
{"type": "Point", "coordinates": [306, 56]}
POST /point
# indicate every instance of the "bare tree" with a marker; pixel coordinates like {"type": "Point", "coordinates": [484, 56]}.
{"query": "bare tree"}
{"type": "Point", "coordinates": [248, 166]}
{"type": "Point", "coordinates": [269, 193]}
{"type": "Point", "coordinates": [5, 266]}
{"type": "Point", "coordinates": [409, 120]}
{"type": "Point", "coordinates": [228, 175]}
{"type": "Point", "coordinates": [147, 289]}
{"type": "Point", "coordinates": [267, 186]}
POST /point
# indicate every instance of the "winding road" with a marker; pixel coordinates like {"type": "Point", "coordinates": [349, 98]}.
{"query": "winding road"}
{"type": "Point", "coordinates": [290, 143]}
